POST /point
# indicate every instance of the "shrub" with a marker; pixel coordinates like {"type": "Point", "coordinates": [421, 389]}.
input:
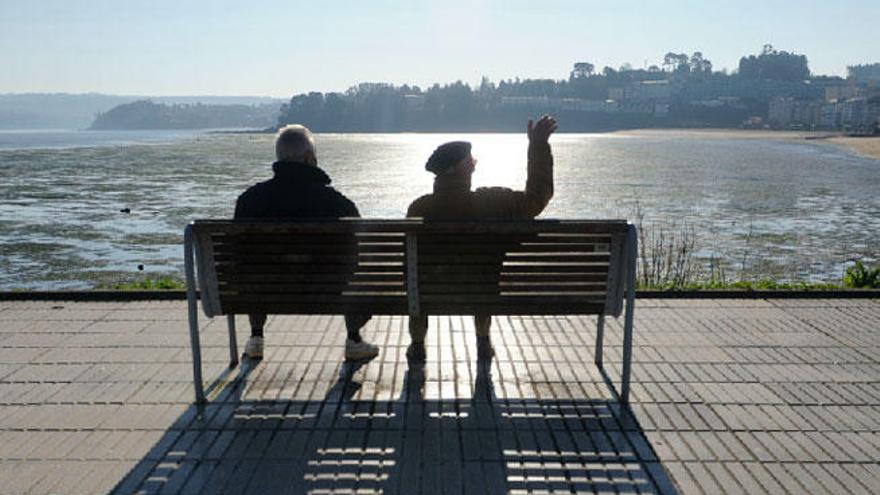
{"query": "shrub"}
{"type": "Point", "coordinates": [859, 276]}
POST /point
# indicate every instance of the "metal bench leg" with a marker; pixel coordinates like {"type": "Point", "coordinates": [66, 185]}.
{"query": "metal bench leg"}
{"type": "Point", "coordinates": [631, 254]}
{"type": "Point", "coordinates": [233, 342]}
{"type": "Point", "coordinates": [600, 335]}
{"type": "Point", "coordinates": [193, 309]}
{"type": "Point", "coordinates": [627, 353]}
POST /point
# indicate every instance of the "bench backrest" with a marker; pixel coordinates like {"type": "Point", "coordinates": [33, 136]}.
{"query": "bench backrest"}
{"type": "Point", "coordinates": [371, 266]}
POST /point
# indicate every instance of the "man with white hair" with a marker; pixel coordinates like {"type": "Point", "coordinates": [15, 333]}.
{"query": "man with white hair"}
{"type": "Point", "coordinates": [300, 189]}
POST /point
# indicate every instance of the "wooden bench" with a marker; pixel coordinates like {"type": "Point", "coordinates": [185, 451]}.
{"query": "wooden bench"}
{"type": "Point", "coordinates": [407, 267]}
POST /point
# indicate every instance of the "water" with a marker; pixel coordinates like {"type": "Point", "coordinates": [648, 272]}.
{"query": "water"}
{"type": "Point", "coordinates": [788, 209]}
{"type": "Point", "coordinates": [65, 138]}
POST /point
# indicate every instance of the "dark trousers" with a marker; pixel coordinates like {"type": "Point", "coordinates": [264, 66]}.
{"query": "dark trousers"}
{"type": "Point", "coordinates": [418, 326]}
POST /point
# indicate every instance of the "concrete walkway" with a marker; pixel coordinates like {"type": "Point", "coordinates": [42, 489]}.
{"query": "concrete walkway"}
{"type": "Point", "coordinates": [738, 396]}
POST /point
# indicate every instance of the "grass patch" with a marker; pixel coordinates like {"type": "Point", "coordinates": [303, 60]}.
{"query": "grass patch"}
{"type": "Point", "coordinates": [746, 285]}
{"type": "Point", "coordinates": [161, 283]}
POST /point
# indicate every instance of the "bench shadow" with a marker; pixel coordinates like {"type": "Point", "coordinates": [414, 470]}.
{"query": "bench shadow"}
{"type": "Point", "coordinates": [335, 444]}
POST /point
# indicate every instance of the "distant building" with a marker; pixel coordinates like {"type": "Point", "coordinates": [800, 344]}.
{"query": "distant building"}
{"type": "Point", "coordinates": [868, 73]}
{"type": "Point", "coordinates": [583, 105]}
{"type": "Point", "coordinates": [637, 106]}
{"type": "Point", "coordinates": [842, 92]}
{"type": "Point", "coordinates": [756, 89]}
{"type": "Point", "coordinates": [791, 113]}
{"type": "Point", "coordinates": [527, 101]}
{"type": "Point", "coordinates": [648, 90]}
{"type": "Point", "coordinates": [566, 104]}
{"type": "Point", "coordinates": [615, 93]}
{"type": "Point", "coordinates": [859, 115]}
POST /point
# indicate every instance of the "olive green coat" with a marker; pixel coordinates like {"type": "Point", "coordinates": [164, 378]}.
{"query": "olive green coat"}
{"type": "Point", "coordinates": [453, 199]}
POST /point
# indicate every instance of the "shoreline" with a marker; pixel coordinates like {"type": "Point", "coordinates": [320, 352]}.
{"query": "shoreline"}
{"type": "Point", "coordinates": [866, 147]}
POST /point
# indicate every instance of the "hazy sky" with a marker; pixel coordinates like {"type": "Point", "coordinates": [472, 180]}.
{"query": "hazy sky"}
{"type": "Point", "coordinates": [269, 47]}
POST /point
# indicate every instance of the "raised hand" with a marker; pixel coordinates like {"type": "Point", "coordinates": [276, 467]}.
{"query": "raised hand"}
{"type": "Point", "coordinates": [540, 132]}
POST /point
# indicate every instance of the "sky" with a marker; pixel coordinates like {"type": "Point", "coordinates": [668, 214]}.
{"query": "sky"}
{"type": "Point", "coordinates": [280, 48]}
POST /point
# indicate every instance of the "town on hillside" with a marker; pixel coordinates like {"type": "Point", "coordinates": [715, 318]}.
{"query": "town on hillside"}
{"type": "Point", "coordinates": [773, 89]}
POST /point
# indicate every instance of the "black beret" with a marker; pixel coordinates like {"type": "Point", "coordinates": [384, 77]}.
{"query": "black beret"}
{"type": "Point", "coordinates": [447, 155]}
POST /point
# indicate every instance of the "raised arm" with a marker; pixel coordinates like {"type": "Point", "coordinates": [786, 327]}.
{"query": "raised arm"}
{"type": "Point", "coordinates": [539, 184]}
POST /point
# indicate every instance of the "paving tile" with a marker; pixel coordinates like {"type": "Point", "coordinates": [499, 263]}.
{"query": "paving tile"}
{"type": "Point", "coordinates": [751, 396]}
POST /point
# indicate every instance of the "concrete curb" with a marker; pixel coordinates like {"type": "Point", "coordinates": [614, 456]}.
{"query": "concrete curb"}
{"type": "Point", "coordinates": [179, 295]}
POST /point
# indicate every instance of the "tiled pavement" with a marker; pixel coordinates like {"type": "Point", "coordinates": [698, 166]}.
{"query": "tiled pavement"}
{"type": "Point", "coordinates": [738, 396]}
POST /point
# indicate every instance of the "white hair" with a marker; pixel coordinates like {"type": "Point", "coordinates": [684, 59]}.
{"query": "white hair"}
{"type": "Point", "coordinates": [293, 143]}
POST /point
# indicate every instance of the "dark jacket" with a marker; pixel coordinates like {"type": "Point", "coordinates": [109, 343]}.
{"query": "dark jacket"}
{"type": "Point", "coordinates": [298, 190]}
{"type": "Point", "coordinates": [453, 199]}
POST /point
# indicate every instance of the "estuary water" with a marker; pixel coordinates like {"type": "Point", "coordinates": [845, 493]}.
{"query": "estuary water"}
{"type": "Point", "coordinates": [782, 208]}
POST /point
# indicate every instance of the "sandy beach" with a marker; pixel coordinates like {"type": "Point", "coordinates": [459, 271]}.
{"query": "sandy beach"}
{"type": "Point", "coordinates": [865, 146]}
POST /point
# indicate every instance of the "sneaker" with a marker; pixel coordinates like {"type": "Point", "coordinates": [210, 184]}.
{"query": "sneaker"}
{"type": "Point", "coordinates": [358, 351]}
{"type": "Point", "coordinates": [485, 351]}
{"type": "Point", "coordinates": [416, 352]}
{"type": "Point", "coordinates": [254, 348]}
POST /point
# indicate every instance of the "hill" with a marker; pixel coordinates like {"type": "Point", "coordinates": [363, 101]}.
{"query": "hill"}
{"type": "Point", "coordinates": [146, 114]}
{"type": "Point", "coordinates": [78, 111]}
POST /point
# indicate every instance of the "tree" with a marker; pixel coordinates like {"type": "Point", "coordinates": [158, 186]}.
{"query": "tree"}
{"type": "Point", "coordinates": [775, 65]}
{"type": "Point", "coordinates": [699, 65]}
{"type": "Point", "coordinates": [582, 69]}
{"type": "Point", "coordinates": [486, 86]}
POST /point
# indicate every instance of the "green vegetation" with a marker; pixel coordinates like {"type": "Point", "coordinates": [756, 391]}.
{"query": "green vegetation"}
{"type": "Point", "coordinates": [774, 64]}
{"type": "Point", "coordinates": [861, 277]}
{"type": "Point", "coordinates": [745, 285]}
{"type": "Point", "coordinates": [162, 283]}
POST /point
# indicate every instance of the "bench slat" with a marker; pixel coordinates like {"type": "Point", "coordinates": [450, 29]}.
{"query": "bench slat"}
{"type": "Point", "coordinates": [306, 249]}
{"type": "Point", "coordinates": [579, 307]}
{"type": "Point", "coordinates": [286, 307]}
{"type": "Point", "coordinates": [284, 288]}
{"type": "Point", "coordinates": [293, 226]}
{"type": "Point", "coordinates": [307, 278]}
{"type": "Point", "coordinates": [474, 259]}
{"type": "Point", "coordinates": [518, 268]}
{"type": "Point", "coordinates": [273, 268]}
{"type": "Point", "coordinates": [503, 286]}
{"type": "Point", "coordinates": [336, 307]}
{"type": "Point", "coordinates": [535, 278]}
{"type": "Point", "coordinates": [324, 259]}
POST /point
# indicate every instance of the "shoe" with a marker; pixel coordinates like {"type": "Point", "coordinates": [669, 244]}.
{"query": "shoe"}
{"type": "Point", "coordinates": [416, 352]}
{"type": "Point", "coordinates": [254, 348]}
{"type": "Point", "coordinates": [358, 351]}
{"type": "Point", "coordinates": [485, 351]}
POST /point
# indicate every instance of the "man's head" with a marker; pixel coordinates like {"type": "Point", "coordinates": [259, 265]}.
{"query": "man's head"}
{"type": "Point", "coordinates": [453, 158]}
{"type": "Point", "coordinates": [294, 143]}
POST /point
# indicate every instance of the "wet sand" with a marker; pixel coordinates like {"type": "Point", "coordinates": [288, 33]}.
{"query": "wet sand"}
{"type": "Point", "coordinates": [730, 134]}
{"type": "Point", "coordinates": [866, 146]}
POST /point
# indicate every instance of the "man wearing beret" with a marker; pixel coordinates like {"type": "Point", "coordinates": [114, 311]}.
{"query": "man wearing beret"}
{"type": "Point", "coordinates": [453, 200]}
